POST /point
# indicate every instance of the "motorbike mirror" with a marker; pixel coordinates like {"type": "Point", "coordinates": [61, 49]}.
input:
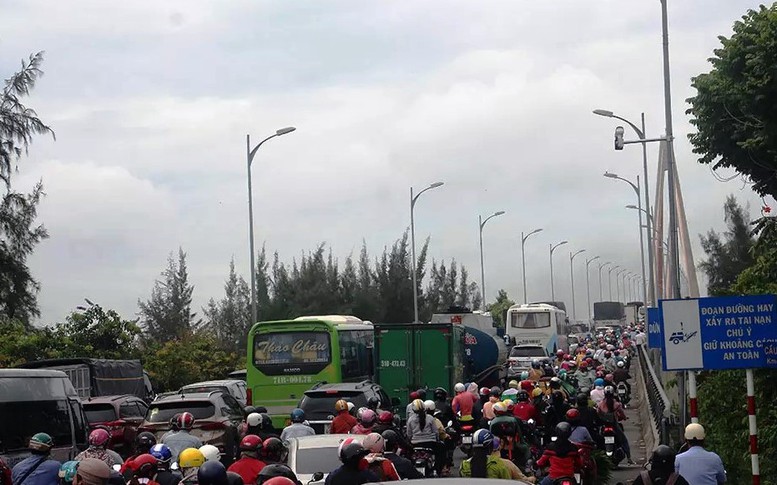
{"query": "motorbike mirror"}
{"type": "Point", "coordinates": [530, 421]}
{"type": "Point", "coordinates": [450, 423]}
{"type": "Point", "coordinates": [318, 476]}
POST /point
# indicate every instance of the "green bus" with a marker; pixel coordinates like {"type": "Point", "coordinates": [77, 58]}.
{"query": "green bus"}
{"type": "Point", "coordinates": [287, 357]}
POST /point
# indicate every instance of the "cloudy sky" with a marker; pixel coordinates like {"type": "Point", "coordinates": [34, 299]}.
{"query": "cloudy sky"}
{"type": "Point", "coordinates": [151, 103]}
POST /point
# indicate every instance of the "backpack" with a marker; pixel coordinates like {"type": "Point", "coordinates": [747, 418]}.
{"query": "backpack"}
{"type": "Point", "coordinates": [645, 476]}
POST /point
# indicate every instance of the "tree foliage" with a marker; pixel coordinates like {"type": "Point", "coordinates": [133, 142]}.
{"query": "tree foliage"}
{"type": "Point", "coordinates": [19, 233]}
{"type": "Point", "coordinates": [730, 253]}
{"type": "Point", "coordinates": [499, 308]}
{"type": "Point", "coordinates": [229, 319]}
{"type": "Point", "coordinates": [167, 314]}
{"type": "Point", "coordinates": [734, 107]}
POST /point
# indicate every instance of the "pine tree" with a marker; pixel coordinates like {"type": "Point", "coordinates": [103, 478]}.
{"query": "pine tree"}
{"type": "Point", "coordinates": [230, 319]}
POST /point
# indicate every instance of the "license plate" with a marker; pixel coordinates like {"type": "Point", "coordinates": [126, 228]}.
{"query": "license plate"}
{"type": "Point", "coordinates": [420, 470]}
{"type": "Point", "coordinates": [622, 391]}
{"type": "Point", "coordinates": [609, 440]}
{"type": "Point", "coordinates": [467, 440]}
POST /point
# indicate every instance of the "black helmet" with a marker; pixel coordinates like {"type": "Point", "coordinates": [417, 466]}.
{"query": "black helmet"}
{"type": "Point", "coordinates": [535, 364]}
{"type": "Point", "coordinates": [440, 394]}
{"type": "Point", "coordinates": [352, 452]}
{"type": "Point", "coordinates": [144, 441]}
{"type": "Point", "coordinates": [557, 397]}
{"type": "Point", "coordinates": [373, 403]}
{"type": "Point", "coordinates": [234, 478]}
{"type": "Point", "coordinates": [555, 383]}
{"type": "Point", "coordinates": [522, 396]}
{"type": "Point", "coordinates": [248, 410]}
{"type": "Point", "coordinates": [663, 458]}
{"type": "Point", "coordinates": [275, 470]}
{"type": "Point", "coordinates": [581, 399]}
{"type": "Point", "coordinates": [563, 431]}
{"type": "Point", "coordinates": [421, 394]}
{"type": "Point", "coordinates": [212, 473]}
{"type": "Point", "coordinates": [391, 439]}
{"type": "Point", "coordinates": [273, 449]}
{"type": "Point", "coordinates": [496, 391]}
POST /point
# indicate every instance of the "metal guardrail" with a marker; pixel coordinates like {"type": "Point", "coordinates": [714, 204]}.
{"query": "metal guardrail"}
{"type": "Point", "coordinates": [660, 406]}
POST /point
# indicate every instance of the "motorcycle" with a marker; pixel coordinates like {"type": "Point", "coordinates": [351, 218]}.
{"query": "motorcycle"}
{"type": "Point", "coordinates": [612, 448]}
{"type": "Point", "coordinates": [623, 393]}
{"type": "Point", "coordinates": [465, 431]}
{"type": "Point", "coordinates": [423, 461]}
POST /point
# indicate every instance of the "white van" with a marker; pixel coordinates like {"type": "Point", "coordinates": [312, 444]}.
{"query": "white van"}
{"type": "Point", "coordinates": [34, 401]}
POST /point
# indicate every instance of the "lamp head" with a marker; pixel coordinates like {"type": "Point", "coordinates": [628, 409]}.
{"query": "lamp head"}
{"type": "Point", "coordinates": [498, 213]}
{"type": "Point", "coordinates": [283, 131]}
{"type": "Point", "coordinates": [604, 112]}
{"type": "Point", "coordinates": [436, 184]}
{"type": "Point", "coordinates": [632, 206]}
{"type": "Point", "coordinates": [611, 175]}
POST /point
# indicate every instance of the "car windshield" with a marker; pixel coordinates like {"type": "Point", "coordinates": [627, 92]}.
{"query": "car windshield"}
{"type": "Point", "coordinates": [20, 420]}
{"type": "Point", "coordinates": [322, 404]}
{"type": "Point", "coordinates": [311, 460]}
{"type": "Point", "coordinates": [527, 352]}
{"type": "Point", "coordinates": [99, 413]}
{"type": "Point", "coordinates": [162, 412]}
{"type": "Point", "coordinates": [530, 320]}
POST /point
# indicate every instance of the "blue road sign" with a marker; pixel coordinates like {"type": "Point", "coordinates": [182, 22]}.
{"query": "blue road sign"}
{"type": "Point", "coordinates": [655, 328]}
{"type": "Point", "coordinates": [730, 332]}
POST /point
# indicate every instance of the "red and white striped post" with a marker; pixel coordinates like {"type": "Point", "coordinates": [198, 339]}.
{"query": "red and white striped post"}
{"type": "Point", "coordinates": [753, 427]}
{"type": "Point", "coordinates": [692, 396]}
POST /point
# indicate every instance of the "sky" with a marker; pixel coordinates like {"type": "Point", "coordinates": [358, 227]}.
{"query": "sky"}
{"type": "Point", "coordinates": [151, 103]}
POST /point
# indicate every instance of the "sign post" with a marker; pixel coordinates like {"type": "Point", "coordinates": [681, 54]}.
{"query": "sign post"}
{"type": "Point", "coordinates": [737, 332]}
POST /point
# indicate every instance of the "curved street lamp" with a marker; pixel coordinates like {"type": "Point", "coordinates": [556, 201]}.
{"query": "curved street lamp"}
{"type": "Point", "coordinates": [588, 282]}
{"type": "Point", "coordinates": [572, 279]}
{"type": "Point", "coordinates": [523, 259]}
{"type": "Point", "coordinates": [553, 248]}
{"type": "Point", "coordinates": [413, 199]}
{"type": "Point", "coordinates": [481, 224]}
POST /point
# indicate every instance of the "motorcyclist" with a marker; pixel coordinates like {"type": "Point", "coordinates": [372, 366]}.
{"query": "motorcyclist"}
{"type": "Point", "coordinates": [493, 397]}
{"type": "Point", "coordinates": [266, 429]}
{"type": "Point", "coordinates": [536, 372]}
{"type": "Point", "coordinates": [511, 391]}
{"type": "Point", "coordinates": [585, 378]}
{"type": "Point", "coordinates": [211, 452]}
{"type": "Point", "coordinates": [422, 430]}
{"type": "Point", "coordinates": [38, 468]}
{"type": "Point", "coordinates": [524, 409]}
{"type": "Point", "coordinates": [379, 464]}
{"type": "Point", "coordinates": [253, 424]}
{"type": "Point", "coordinates": [98, 442]}
{"type": "Point", "coordinates": [143, 443]}
{"type": "Point", "coordinates": [343, 421]}
{"type": "Point", "coordinates": [556, 411]}
{"type": "Point", "coordinates": [597, 394]}
{"type": "Point", "coordinates": [297, 428]}
{"type": "Point", "coordinates": [67, 472]}
{"type": "Point", "coordinates": [213, 473]}
{"type": "Point", "coordinates": [662, 464]}
{"type": "Point", "coordinates": [249, 465]}
{"type": "Point", "coordinates": [366, 420]}
{"type": "Point", "coordinates": [273, 451]}
{"type": "Point", "coordinates": [621, 374]}
{"type": "Point", "coordinates": [404, 467]}
{"type": "Point", "coordinates": [697, 465]}
{"type": "Point", "coordinates": [144, 470]}
{"type": "Point", "coordinates": [556, 385]}
{"type": "Point", "coordinates": [486, 461]}
{"type": "Point", "coordinates": [173, 427]}
{"type": "Point", "coordinates": [559, 358]}
{"type": "Point", "coordinates": [182, 439]}
{"type": "Point", "coordinates": [547, 368]}
{"type": "Point", "coordinates": [442, 404]}
{"type": "Point", "coordinates": [561, 455]}
{"type": "Point", "coordinates": [515, 470]}
{"type": "Point", "coordinates": [611, 411]}
{"type": "Point", "coordinates": [464, 401]}
{"type": "Point", "coordinates": [353, 471]}
{"type": "Point", "coordinates": [373, 403]}
{"type": "Point", "coordinates": [189, 461]}
{"type": "Point", "coordinates": [580, 433]}
{"type": "Point", "coordinates": [165, 476]}
{"type": "Point", "coordinates": [507, 427]}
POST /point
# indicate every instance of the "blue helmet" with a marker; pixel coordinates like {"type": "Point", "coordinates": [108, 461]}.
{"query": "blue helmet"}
{"type": "Point", "coordinates": [483, 438]}
{"type": "Point", "coordinates": [599, 382]}
{"type": "Point", "coordinates": [68, 471]}
{"type": "Point", "coordinates": [161, 452]}
{"type": "Point", "coordinates": [297, 415]}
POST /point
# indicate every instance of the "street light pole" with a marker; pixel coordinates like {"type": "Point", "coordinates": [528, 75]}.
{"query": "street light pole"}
{"type": "Point", "coordinates": [651, 295]}
{"type": "Point", "coordinates": [602, 265]}
{"type": "Point", "coordinates": [609, 278]}
{"type": "Point", "coordinates": [481, 223]}
{"type": "Point", "coordinates": [250, 153]}
{"type": "Point", "coordinates": [413, 199]}
{"type": "Point", "coordinates": [553, 248]}
{"type": "Point", "coordinates": [588, 283]}
{"type": "Point", "coordinates": [523, 259]}
{"type": "Point", "coordinates": [639, 208]}
{"type": "Point", "coordinates": [572, 279]}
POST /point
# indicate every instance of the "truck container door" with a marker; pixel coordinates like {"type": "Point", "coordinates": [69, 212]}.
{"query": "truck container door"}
{"type": "Point", "coordinates": [394, 360]}
{"type": "Point", "coordinates": [433, 365]}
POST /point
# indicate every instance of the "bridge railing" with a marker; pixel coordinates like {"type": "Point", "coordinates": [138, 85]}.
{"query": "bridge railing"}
{"type": "Point", "coordinates": [659, 404]}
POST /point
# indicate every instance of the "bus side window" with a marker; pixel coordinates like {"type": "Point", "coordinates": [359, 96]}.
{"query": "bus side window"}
{"type": "Point", "coordinates": [355, 354]}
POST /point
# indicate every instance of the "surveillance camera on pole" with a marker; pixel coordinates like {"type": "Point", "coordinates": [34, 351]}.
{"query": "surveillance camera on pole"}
{"type": "Point", "coordinates": [619, 138]}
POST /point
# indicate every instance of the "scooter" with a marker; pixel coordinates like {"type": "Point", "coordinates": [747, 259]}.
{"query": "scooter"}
{"type": "Point", "coordinates": [465, 430]}
{"type": "Point", "coordinates": [612, 448]}
{"type": "Point", "coordinates": [423, 461]}
{"type": "Point", "coordinates": [623, 393]}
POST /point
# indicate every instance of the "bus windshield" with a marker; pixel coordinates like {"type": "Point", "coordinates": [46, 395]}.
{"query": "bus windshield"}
{"type": "Point", "coordinates": [291, 348]}
{"type": "Point", "coordinates": [530, 320]}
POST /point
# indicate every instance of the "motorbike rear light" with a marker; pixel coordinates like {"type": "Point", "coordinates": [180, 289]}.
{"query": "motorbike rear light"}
{"type": "Point", "coordinates": [250, 396]}
{"type": "Point", "coordinates": [466, 427]}
{"type": "Point", "coordinates": [608, 430]}
{"type": "Point", "coordinates": [212, 426]}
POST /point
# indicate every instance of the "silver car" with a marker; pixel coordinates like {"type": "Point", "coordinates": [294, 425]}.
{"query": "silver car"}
{"type": "Point", "coordinates": [311, 455]}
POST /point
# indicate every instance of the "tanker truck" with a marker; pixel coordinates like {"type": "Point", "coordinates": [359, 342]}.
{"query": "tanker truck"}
{"type": "Point", "coordinates": [485, 346]}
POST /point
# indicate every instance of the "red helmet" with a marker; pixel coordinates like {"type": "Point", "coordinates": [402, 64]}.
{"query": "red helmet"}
{"type": "Point", "coordinates": [385, 417]}
{"type": "Point", "coordinates": [185, 421]}
{"type": "Point", "coordinates": [608, 377]}
{"type": "Point", "coordinates": [413, 396]}
{"type": "Point", "coordinates": [145, 466]}
{"type": "Point", "coordinates": [485, 391]}
{"type": "Point", "coordinates": [584, 364]}
{"type": "Point", "coordinates": [600, 373]}
{"type": "Point", "coordinates": [560, 353]}
{"type": "Point", "coordinates": [567, 357]}
{"type": "Point", "coordinates": [573, 415]}
{"type": "Point", "coordinates": [279, 481]}
{"type": "Point", "coordinates": [99, 437]}
{"type": "Point", "coordinates": [589, 360]}
{"type": "Point", "coordinates": [251, 442]}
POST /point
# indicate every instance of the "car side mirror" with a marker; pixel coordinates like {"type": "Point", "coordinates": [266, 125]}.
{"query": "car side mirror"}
{"type": "Point", "coordinates": [318, 476]}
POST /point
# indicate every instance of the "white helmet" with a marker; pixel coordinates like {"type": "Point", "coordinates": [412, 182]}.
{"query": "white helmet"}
{"type": "Point", "coordinates": [350, 406]}
{"type": "Point", "coordinates": [254, 419]}
{"type": "Point", "coordinates": [429, 405]}
{"type": "Point", "coordinates": [695, 431]}
{"type": "Point", "coordinates": [210, 452]}
{"type": "Point", "coordinates": [459, 387]}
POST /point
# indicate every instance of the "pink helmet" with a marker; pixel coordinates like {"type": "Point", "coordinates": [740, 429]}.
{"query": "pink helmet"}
{"type": "Point", "coordinates": [374, 442]}
{"type": "Point", "coordinates": [99, 438]}
{"type": "Point", "coordinates": [368, 417]}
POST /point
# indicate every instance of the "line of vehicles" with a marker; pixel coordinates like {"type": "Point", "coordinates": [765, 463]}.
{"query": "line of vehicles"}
{"type": "Point", "coordinates": [308, 362]}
